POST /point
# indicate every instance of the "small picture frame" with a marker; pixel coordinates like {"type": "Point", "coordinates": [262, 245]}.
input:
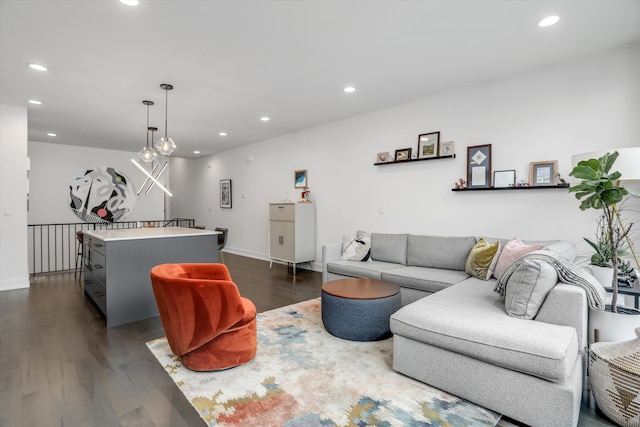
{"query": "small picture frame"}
{"type": "Point", "coordinates": [543, 173]}
{"type": "Point", "coordinates": [383, 157]}
{"type": "Point", "coordinates": [504, 179]}
{"type": "Point", "coordinates": [428, 145]}
{"type": "Point", "coordinates": [225, 193]}
{"type": "Point", "coordinates": [300, 179]}
{"type": "Point", "coordinates": [479, 166]}
{"type": "Point", "coordinates": [447, 149]}
{"type": "Point", "coordinates": [403, 154]}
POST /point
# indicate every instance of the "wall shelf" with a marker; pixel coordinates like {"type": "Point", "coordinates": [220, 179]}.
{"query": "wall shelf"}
{"type": "Point", "coordinates": [541, 187]}
{"type": "Point", "coordinates": [453, 156]}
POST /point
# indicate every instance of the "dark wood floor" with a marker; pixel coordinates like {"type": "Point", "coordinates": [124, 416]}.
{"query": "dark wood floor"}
{"type": "Point", "coordinates": [60, 365]}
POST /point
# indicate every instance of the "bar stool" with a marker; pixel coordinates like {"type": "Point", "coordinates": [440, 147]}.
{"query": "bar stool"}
{"type": "Point", "coordinates": [79, 253]}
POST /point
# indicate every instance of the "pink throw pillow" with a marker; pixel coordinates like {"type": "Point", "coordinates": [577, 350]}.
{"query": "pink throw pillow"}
{"type": "Point", "coordinates": [513, 250]}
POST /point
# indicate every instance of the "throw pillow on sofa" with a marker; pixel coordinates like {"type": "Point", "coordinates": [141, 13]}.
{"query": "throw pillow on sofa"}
{"type": "Point", "coordinates": [528, 287]}
{"type": "Point", "coordinates": [482, 259]}
{"type": "Point", "coordinates": [512, 250]}
{"type": "Point", "coordinates": [356, 248]}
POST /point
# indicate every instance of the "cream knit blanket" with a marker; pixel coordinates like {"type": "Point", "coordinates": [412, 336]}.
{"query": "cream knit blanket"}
{"type": "Point", "coordinates": [567, 273]}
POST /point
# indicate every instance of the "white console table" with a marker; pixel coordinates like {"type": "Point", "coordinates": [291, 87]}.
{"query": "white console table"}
{"type": "Point", "coordinates": [292, 233]}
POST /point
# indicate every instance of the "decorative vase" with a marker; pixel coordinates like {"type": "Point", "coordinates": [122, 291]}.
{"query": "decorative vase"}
{"type": "Point", "coordinates": [613, 327]}
{"type": "Point", "coordinates": [614, 375]}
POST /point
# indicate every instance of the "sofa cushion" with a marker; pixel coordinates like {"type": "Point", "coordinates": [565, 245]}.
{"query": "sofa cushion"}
{"type": "Point", "coordinates": [482, 259]}
{"type": "Point", "coordinates": [389, 248]}
{"type": "Point", "coordinates": [511, 251]}
{"type": "Point", "coordinates": [469, 319]}
{"type": "Point", "coordinates": [449, 253]}
{"type": "Point", "coordinates": [528, 287]}
{"type": "Point", "coordinates": [369, 270]}
{"type": "Point", "coordinates": [356, 248]}
{"type": "Point", "coordinates": [423, 278]}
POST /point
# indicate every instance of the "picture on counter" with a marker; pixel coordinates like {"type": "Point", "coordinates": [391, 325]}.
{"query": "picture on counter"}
{"type": "Point", "coordinates": [428, 145]}
{"type": "Point", "coordinates": [504, 179]}
{"type": "Point", "coordinates": [300, 179]}
{"type": "Point", "coordinates": [403, 154]}
{"type": "Point", "coordinates": [543, 173]}
{"type": "Point", "coordinates": [479, 166]}
{"type": "Point", "coordinates": [382, 157]}
{"type": "Point", "coordinates": [447, 148]}
{"type": "Point", "coordinates": [225, 193]}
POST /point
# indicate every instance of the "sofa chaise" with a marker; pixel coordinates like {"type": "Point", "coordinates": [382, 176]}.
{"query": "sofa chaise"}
{"type": "Point", "coordinates": [454, 331]}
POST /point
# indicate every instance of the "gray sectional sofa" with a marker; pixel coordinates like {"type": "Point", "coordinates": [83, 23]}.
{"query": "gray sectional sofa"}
{"type": "Point", "coordinates": [454, 333]}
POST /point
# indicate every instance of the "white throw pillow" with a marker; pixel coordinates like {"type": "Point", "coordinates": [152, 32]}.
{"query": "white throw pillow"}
{"type": "Point", "coordinates": [356, 248]}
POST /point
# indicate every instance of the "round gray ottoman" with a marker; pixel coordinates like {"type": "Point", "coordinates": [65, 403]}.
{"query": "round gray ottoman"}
{"type": "Point", "coordinates": [359, 309]}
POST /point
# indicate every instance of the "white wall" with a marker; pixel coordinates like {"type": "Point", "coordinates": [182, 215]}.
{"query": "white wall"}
{"type": "Point", "coordinates": [14, 272]}
{"type": "Point", "coordinates": [55, 166]}
{"type": "Point", "coordinates": [549, 114]}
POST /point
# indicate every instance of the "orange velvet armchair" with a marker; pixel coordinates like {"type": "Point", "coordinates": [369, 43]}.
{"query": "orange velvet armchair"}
{"type": "Point", "coordinates": [208, 324]}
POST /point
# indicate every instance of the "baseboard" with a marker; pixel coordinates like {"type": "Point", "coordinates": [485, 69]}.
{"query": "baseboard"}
{"type": "Point", "coordinates": [265, 257]}
{"type": "Point", "coordinates": [11, 284]}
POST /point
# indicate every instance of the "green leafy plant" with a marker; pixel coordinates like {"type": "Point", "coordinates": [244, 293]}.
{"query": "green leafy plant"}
{"type": "Point", "coordinates": [600, 189]}
{"type": "Point", "coordinates": [603, 254]}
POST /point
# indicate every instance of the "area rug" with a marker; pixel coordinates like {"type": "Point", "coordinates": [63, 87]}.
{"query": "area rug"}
{"type": "Point", "coordinates": [304, 376]}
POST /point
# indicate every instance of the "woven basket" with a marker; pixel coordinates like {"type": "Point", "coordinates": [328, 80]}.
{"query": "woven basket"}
{"type": "Point", "coordinates": [614, 372]}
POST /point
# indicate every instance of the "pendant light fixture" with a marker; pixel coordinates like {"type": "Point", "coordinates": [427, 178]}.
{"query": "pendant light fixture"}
{"type": "Point", "coordinates": [165, 145]}
{"type": "Point", "coordinates": [147, 154]}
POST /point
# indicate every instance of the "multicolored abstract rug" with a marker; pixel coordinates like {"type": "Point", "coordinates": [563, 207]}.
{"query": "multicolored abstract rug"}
{"type": "Point", "coordinates": [303, 376]}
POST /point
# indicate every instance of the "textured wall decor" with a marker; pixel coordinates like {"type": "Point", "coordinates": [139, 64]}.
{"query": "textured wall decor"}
{"type": "Point", "coordinates": [101, 195]}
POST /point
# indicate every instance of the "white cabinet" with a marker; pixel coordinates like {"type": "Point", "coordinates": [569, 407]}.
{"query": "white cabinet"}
{"type": "Point", "coordinates": [292, 235]}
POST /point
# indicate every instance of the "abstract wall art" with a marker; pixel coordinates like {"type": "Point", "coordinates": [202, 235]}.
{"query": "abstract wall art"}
{"type": "Point", "coordinates": [101, 195]}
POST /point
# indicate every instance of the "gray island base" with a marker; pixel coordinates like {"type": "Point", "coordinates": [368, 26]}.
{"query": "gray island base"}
{"type": "Point", "coordinates": [117, 265]}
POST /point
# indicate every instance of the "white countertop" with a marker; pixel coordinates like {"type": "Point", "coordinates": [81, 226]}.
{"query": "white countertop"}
{"type": "Point", "coordinates": [148, 233]}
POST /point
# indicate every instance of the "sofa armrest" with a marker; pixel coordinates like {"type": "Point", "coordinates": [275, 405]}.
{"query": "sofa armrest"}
{"type": "Point", "coordinates": [567, 305]}
{"type": "Point", "coordinates": [330, 252]}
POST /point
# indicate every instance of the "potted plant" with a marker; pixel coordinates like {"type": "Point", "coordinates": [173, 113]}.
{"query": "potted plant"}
{"type": "Point", "coordinates": [600, 263]}
{"type": "Point", "coordinates": [600, 190]}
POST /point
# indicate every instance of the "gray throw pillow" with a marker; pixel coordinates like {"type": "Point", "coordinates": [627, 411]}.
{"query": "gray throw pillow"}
{"type": "Point", "coordinates": [528, 287]}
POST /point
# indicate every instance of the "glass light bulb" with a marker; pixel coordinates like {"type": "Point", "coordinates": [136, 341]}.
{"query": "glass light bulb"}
{"type": "Point", "coordinates": [147, 154]}
{"type": "Point", "coordinates": [165, 146]}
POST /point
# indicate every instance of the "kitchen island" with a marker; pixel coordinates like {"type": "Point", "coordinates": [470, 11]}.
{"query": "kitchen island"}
{"type": "Point", "coordinates": [117, 265]}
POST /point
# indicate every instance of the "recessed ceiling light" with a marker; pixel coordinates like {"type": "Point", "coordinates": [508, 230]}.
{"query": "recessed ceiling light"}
{"type": "Point", "coordinates": [33, 101]}
{"type": "Point", "coordinates": [37, 67]}
{"type": "Point", "coordinates": [349, 89]}
{"type": "Point", "coordinates": [196, 152]}
{"type": "Point", "coordinates": [265, 119]}
{"type": "Point", "coordinates": [548, 21]}
{"type": "Point", "coordinates": [222, 134]}
{"type": "Point", "coordinates": [129, 2]}
{"type": "Point", "coordinates": [51, 134]}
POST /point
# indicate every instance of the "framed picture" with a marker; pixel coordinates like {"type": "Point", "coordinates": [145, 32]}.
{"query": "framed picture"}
{"type": "Point", "coordinates": [428, 145]}
{"type": "Point", "coordinates": [382, 157]}
{"type": "Point", "coordinates": [543, 173]}
{"type": "Point", "coordinates": [300, 179]}
{"type": "Point", "coordinates": [504, 179]}
{"type": "Point", "coordinates": [447, 148]}
{"type": "Point", "coordinates": [479, 166]}
{"type": "Point", "coordinates": [225, 193]}
{"type": "Point", "coordinates": [403, 154]}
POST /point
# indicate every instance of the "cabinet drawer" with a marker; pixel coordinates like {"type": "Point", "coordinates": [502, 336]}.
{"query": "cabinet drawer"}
{"type": "Point", "coordinates": [98, 266]}
{"type": "Point", "coordinates": [99, 296]}
{"type": "Point", "coordinates": [282, 212]}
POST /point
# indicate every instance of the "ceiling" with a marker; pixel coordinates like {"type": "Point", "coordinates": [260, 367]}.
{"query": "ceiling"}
{"type": "Point", "coordinates": [232, 62]}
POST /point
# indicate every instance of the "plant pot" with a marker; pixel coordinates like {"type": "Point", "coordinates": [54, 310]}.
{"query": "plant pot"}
{"type": "Point", "coordinates": [613, 327]}
{"type": "Point", "coordinates": [604, 275]}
